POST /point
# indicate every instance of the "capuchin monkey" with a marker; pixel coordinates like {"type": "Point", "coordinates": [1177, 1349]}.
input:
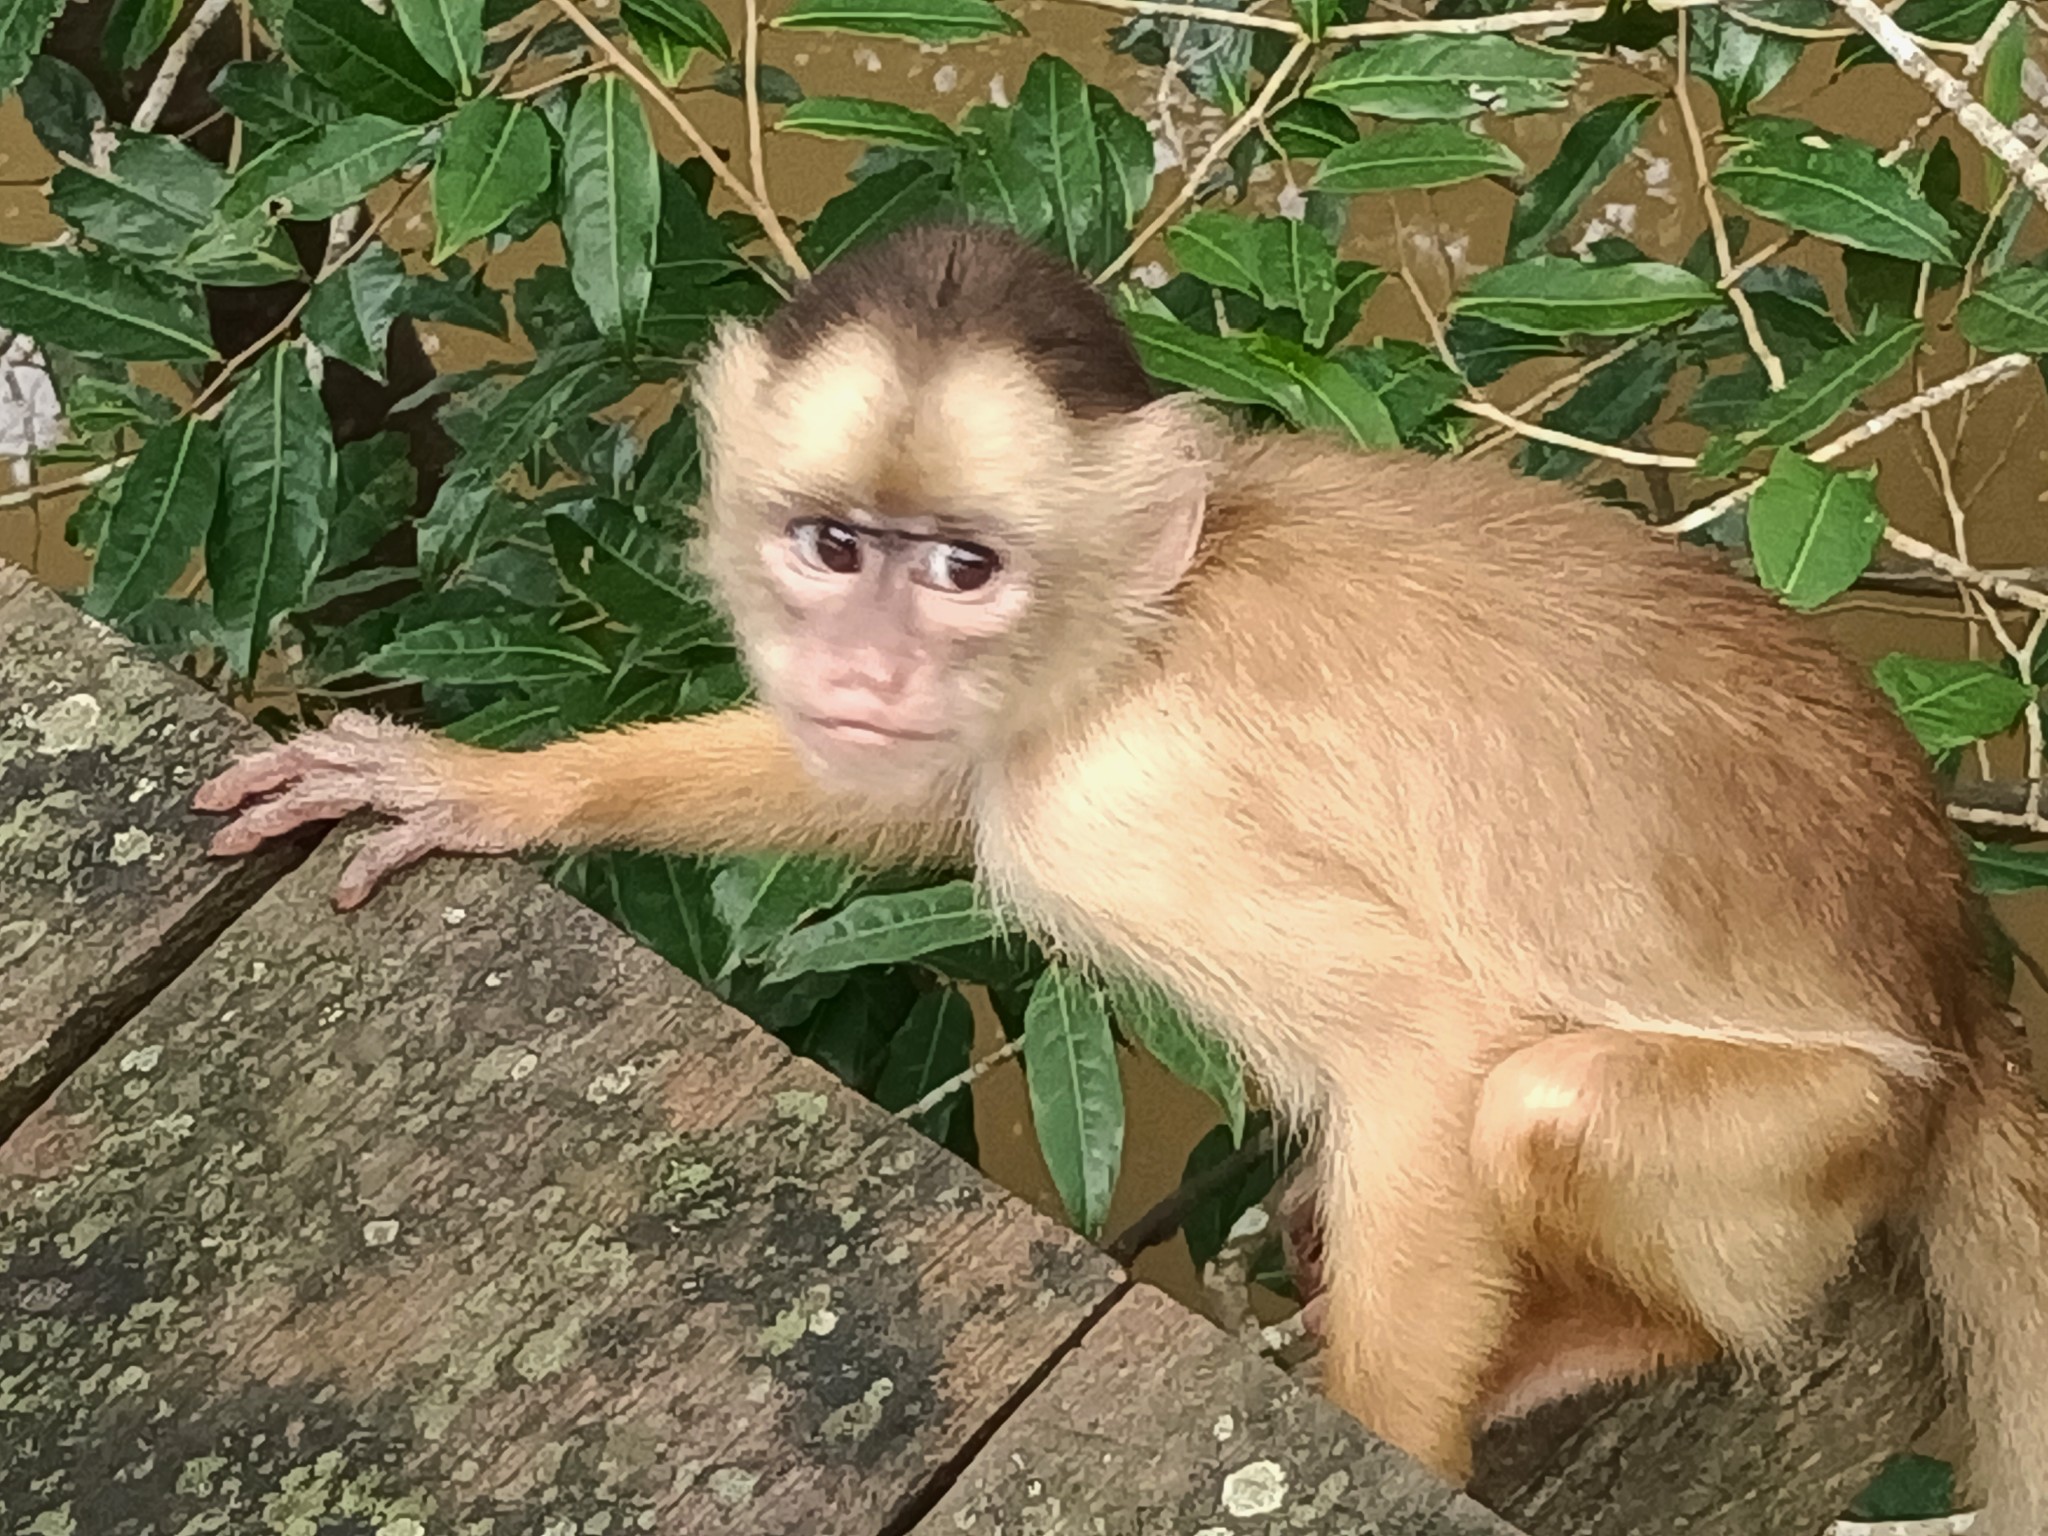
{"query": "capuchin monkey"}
{"type": "Point", "coordinates": [1601, 921]}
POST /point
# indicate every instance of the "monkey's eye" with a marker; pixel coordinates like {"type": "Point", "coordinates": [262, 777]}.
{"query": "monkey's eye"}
{"type": "Point", "coordinates": [959, 567]}
{"type": "Point", "coordinates": [827, 545]}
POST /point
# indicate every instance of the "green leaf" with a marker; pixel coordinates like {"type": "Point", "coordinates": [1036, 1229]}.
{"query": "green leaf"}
{"type": "Point", "coordinates": [166, 502]}
{"type": "Point", "coordinates": [135, 30]}
{"type": "Point", "coordinates": [1309, 130]}
{"type": "Point", "coordinates": [1438, 76]}
{"type": "Point", "coordinates": [1077, 1097]}
{"type": "Point", "coordinates": [928, 21]}
{"type": "Point", "coordinates": [775, 87]}
{"type": "Point", "coordinates": [375, 486]}
{"type": "Point", "coordinates": [886, 929]}
{"type": "Point", "coordinates": [1910, 1487]}
{"type": "Point", "coordinates": [152, 197]}
{"type": "Point", "coordinates": [1817, 394]}
{"type": "Point", "coordinates": [329, 169]}
{"type": "Point", "coordinates": [1611, 407]}
{"type": "Point", "coordinates": [1947, 21]}
{"type": "Point", "coordinates": [1414, 155]}
{"type": "Point", "coordinates": [1831, 186]}
{"type": "Point", "coordinates": [665, 902]}
{"type": "Point", "coordinates": [1219, 248]}
{"type": "Point", "coordinates": [457, 297]}
{"type": "Point", "coordinates": [608, 555]}
{"type": "Point", "coordinates": [1555, 296]}
{"type": "Point", "coordinates": [61, 106]}
{"type": "Point", "coordinates": [997, 182]}
{"type": "Point", "coordinates": [1739, 62]}
{"type": "Point", "coordinates": [1948, 704]}
{"type": "Point", "coordinates": [611, 204]}
{"type": "Point", "coordinates": [1316, 16]}
{"type": "Point", "coordinates": [2002, 870]}
{"type": "Point", "coordinates": [851, 117]}
{"type": "Point", "coordinates": [668, 56]}
{"type": "Point", "coordinates": [264, 549]}
{"type": "Point", "coordinates": [1209, 1221]}
{"type": "Point", "coordinates": [1194, 1055]}
{"type": "Point", "coordinates": [2009, 313]}
{"type": "Point", "coordinates": [350, 313]}
{"type": "Point", "coordinates": [274, 100]}
{"type": "Point", "coordinates": [23, 25]}
{"type": "Point", "coordinates": [524, 652]}
{"type": "Point", "coordinates": [2005, 97]}
{"type": "Point", "coordinates": [1298, 271]}
{"type": "Point", "coordinates": [1221, 367]}
{"type": "Point", "coordinates": [690, 21]}
{"type": "Point", "coordinates": [97, 308]}
{"type": "Point", "coordinates": [1055, 128]}
{"type": "Point", "coordinates": [1326, 395]}
{"type": "Point", "coordinates": [493, 159]}
{"type": "Point", "coordinates": [448, 34]}
{"type": "Point", "coordinates": [761, 898]}
{"type": "Point", "coordinates": [1812, 530]}
{"type": "Point", "coordinates": [869, 209]}
{"type": "Point", "coordinates": [1598, 142]}
{"type": "Point", "coordinates": [365, 59]}
{"type": "Point", "coordinates": [934, 1046]}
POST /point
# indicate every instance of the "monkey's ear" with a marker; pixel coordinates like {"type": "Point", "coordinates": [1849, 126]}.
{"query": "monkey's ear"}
{"type": "Point", "coordinates": [1169, 445]}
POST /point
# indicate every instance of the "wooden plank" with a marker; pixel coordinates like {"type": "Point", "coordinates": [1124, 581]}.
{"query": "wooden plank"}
{"type": "Point", "coordinates": [464, 1214]}
{"type": "Point", "coordinates": [105, 889]}
{"type": "Point", "coordinates": [1159, 1422]}
{"type": "Point", "coordinates": [1780, 1447]}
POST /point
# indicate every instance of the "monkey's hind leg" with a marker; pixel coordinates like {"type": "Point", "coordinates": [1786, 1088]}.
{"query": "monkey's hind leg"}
{"type": "Point", "coordinates": [1720, 1184]}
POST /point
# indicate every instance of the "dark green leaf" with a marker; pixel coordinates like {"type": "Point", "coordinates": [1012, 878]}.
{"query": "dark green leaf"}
{"type": "Point", "coordinates": [665, 902]}
{"type": "Point", "coordinates": [1611, 407]}
{"type": "Point", "coordinates": [523, 652]}
{"type": "Point", "coordinates": [1194, 1055]}
{"type": "Point", "coordinates": [870, 209]}
{"type": "Point", "coordinates": [1739, 62]}
{"type": "Point", "coordinates": [167, 500]}
{"type": "Point", "coordinates": [1555, 296]}
{"type": "Point", "coordinates": [775, 87]}
{"type": "Point", "coordinates": [1309, 130]}
{"type": "Point", "coordinates": [350, 313]}
{"type": "Point", "coordinates": [688, 240]}
{"type": "Point", "coordinates": [152, 197]}
{"type": "Point", "coordinates": [90, 305]}
{"type": "Point", "coordinates": [2005, 96]}
{"type": "Point", "coordinates": [612, 203]}
{"type": "Point", "coordinates": [1077, 1098]}
{"type": "Point", "coordinates": [61, 106]}
{"type": "Point", "coordinates": [998, 184]}
{"type": "Point", "coordinates": [1597, 143]}
{"type": "Point", "coordinates": [690, 21]}
{"type": "Point", "coordinates": [2009, 313]}
{"type": "Point", "coordinates": [1219, 248]}
{"type": "Point", "coordinates": [1439, 76]}
{"type": "Point", "coordinates": [327, 170]}
{"type": "Point", "coordinates": [761, 898]}
{"type": "Point", "coordinates": [264, 549]}
{"type": "Point", "coordinates": [1485, 350]}
{"type": "Point", "coordinates": [934, 1046]}
{"type": "Point", "coordinates": [1911, 1487]}
{"type": "Point", "coordinates": [1812, 530]}
{"type": "Point", "coordinates": [493, 159]}
{"type": "Point", "coordinates": [375, 486]}
{"type": "Point", "coordinates": [608, 555]}
{"type": "Point", "coordinates": [1949, 704]}
{"type": "Point", "coordinates": [1817, 394]}
{"type": "Point", "coordinates": [1209, 1221]}
{"type": "Point", "coordinates": [135, 30]}
{"type": "Point", "coordinates": [1222, 367]}
{"type": "Point", "coordinates": [95, 406]}
{"type": "Point", "coordinates": [851, 117]}
{"type": "Point", "coordinates": [1330, 397]}
{"type": "Point", "coordinates": [448, 34]}
{"type": "Point", "coordinates": [512, 724]}
{"type": "Point", "coordinates": [668, 56]}
{"type": "Point", "coordinates": [365, 59]}
{"type": "Point", "coordinates": [1316, 16]}
{"type": "Point", "coordinates": [1831, 186]}
{"type": "Point", "coordinates": [929, 21]}
{"type": "Point", "coordinates": [2002, 870]}
{"type": "Point", "coordinates": [457, 297]}
{"type": "Point", "coordinates": [273, 100]}
{"type": "Point", "coordinates": [1056, 129]}
{"type": "Point", "coordinates": [1414, 155]}
{"type": "Point", "coordinates": [886, 929]}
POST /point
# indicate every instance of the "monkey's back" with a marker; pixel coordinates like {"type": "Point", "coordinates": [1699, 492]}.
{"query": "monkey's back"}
{"type": "Point", "coordinates": [1609, 774]}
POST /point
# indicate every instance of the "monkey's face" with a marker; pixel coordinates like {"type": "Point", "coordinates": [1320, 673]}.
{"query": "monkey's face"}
{"type": "Point", "coordinates": [921, 551]}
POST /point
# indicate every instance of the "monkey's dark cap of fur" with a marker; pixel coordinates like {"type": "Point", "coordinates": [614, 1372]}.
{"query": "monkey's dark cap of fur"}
{"type": "Point", "coordinates": [977, 284]}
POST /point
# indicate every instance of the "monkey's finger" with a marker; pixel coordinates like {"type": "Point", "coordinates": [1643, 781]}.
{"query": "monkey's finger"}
{"type": "Point", "coordinates": [382, 855]}
{"type": "Point", "coordinates": [274, 818]}
{"type": "Point", "coordinates": [251, 777]}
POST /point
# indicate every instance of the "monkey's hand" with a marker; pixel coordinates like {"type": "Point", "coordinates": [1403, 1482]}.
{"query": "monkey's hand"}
{"type": "Point", "coordinates": [359, 762]}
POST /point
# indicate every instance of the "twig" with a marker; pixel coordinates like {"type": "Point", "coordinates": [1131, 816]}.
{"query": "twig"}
{"type": "Point", "coordinates": [1911, 57]}
{"type": "Point", "coordinates": [1165, 1218]}
{"type": "Point", "coordinates": [959, 1080]}
{"type": "Point", "coordinates": [1991, 371]}
{"type": "Point", "coordinates": [1428, 312]}
{"type": "Point", "coordinates": [1209, 13]}
{"type": "Point", "coordinates": [771, 226]}
{"type": "Point", "coordinates": [29, 495]}
{"type": "Point", "coordinates": [750, 65]}
{"type": "Point", "coordinates": [1247, 120]}
{"type": "Point", "coordinates": [166, 81]}
{"type": "Point", "coordinates": [1681, 91]}
{"type": "Point", "coordinates": [1521, 428]}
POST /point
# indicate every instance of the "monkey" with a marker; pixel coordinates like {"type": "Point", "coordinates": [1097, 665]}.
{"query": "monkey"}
{"type": "Point", "coordinates": [1599, 921]}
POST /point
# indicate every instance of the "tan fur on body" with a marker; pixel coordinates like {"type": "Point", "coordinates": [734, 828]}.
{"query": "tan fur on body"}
{"type": "Point", "coordinates": [1600, 920]}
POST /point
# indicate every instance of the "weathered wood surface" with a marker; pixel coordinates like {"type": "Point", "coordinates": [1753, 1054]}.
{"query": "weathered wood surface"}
{"type": "Point", "coordinates": [465, 1214]}
{"type": "Point", "coordinates": [105, 889]}
{"type": "Point", "coordinates": [1778, 1448]}
{"type": "Point", "coordinates": [1160, 1424]}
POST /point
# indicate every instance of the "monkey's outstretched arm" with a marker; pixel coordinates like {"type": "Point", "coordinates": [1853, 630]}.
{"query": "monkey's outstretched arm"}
{"type": "Point", "coordinates": [729, 782]}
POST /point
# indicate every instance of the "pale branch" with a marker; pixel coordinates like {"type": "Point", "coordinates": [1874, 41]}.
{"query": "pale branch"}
{"type": "Point", "coordinates": [1906, 52]}
{"type": "Point", "coordinates": [43, 490]}
{"type": "Point", "coordinates": [959, 1080]}
{"type": "Point", "coordinates": [1620, 455]}
{"type": "Point", "coordinates": [1991, 371]}
{"type": "Point", "coordinates": [175, 57]}
{"type": "Point", "coordinates": [1957, 570]}
{"type": "Point", "coordinates": [1221, 18]}
{"type": "Point", "coordinates": [771, 225]}
{"type": "Point", "coordinates": [750, 66]}
{"type": "Point", "coordinates": [1681, 92]}
{"type": "Point", "coordinates": [1246, 120]}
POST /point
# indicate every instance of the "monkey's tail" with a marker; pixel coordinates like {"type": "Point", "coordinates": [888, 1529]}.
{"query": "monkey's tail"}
{"type": "Point", "coordinates": [1983, 1225]}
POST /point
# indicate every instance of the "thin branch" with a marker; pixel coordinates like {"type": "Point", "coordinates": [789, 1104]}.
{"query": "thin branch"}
{"type": "Point", "coordinates": [166, 81]}
{"type": "Point", "coordinates": [959, 1080]}
{"type": "Point", "coordinates": [771, 226]}
{"type": "Point", "coordinates": [1907, 52]}
{"type": "Point", "coordinates": [1428, 312]}
{"type": "Point", "coordinates": [750, 65]}
{"type": "Point", "coordinates": [29, 495]}
{"type": "Point", "coordinates": [1681, 91]}
{"type": "Point", "coordinates": [1247, 120]}
{"type": "Point", "coordinates": [1521, 428]}
{"type": "Point", "coordinates": [1221, 18]}
{"type": "Point", "coordinates": [1165, 1218]}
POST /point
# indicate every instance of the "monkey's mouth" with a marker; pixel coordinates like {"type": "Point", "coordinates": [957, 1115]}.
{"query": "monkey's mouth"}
{"type": "Point", "coordinates": [867, 732]}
